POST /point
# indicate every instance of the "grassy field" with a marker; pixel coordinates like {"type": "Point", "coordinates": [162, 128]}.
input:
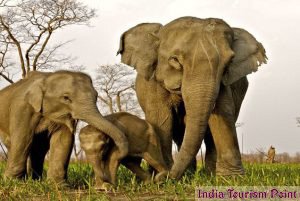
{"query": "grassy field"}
{"type": "Point", "coordinates": [80, 180]}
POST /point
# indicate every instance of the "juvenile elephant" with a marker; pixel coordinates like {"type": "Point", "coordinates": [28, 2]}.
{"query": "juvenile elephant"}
{"type": "Point", "coordinates": [102, 153]}
{"type": "Point", "coordinates": [199, 65]}
{"type": "Point", "coordinates": [38, 113]}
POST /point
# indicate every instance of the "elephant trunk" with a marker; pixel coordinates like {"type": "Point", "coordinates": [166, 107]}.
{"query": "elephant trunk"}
{"type": "Point", "coordinates": [199, 101]}
{"type": "Point", "coordinates": [99, 122]}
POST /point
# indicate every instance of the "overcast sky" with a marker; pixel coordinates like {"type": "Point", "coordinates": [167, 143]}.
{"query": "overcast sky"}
{"type": "Point", "coordinates": [273, 99]}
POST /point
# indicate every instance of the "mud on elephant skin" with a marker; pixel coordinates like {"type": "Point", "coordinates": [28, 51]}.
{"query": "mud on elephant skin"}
{"type": "Point", "coordinates": [143, 142]}
{"type": "Point", "coordinates": [205, 63]}
{"type": "Point", "coordinates": [38, 113]}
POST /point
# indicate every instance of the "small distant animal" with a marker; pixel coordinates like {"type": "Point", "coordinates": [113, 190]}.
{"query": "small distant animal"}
{"type": "Point", "coordinates": [271, 155]}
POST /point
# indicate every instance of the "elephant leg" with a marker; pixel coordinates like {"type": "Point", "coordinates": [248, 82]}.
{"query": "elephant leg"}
{"type": "Point", "coordinates": [98, 167]}
{"type": "Point", "coordinates": [211, 153]}
{"type": "Point", "coordinates": [17, 158]}
{"type": "Point", "coordinates": [239, 89]}
{"type": "Point", "coordinates": [155, 102]}
{"type": "Point", "coordinates": [155, 159]}
{"type": "Point", "coordinates": [20, 143]}
{"type": "Point", "coordinates": [134, 165]}
{"type": "Point", "coordinates": [162, 120]}
{"type": "Point", "coordinates": [112, 165]}
{"type": "Point", "coordinates": [5, 139]}
{"type": "Point", "coordinates": [222, 126]}
{"type": "Point", "coordinates": [39, 149]}
{"type": "Point", "coordinates": [61, 144]}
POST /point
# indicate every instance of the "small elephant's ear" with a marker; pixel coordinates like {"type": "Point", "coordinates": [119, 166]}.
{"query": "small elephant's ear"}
{"type": "Point", "coordinates": [34, 97]}
{"type": "Point", "coordinates": [249, 55]}
{"type": "Point", "coordinates": [121, 44]}
{"type": "Point", "coordinates": [175, 62]}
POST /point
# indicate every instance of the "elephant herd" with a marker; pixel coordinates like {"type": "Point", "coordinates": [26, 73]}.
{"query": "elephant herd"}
{"type": "Point", "coordinates": [191, 81]}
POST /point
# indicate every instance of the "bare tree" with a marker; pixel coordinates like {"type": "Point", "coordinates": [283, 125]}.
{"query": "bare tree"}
{"type": "Point", "coordinates": [26, 27]}
{"type": "Point", "coordinates": [115, 85]}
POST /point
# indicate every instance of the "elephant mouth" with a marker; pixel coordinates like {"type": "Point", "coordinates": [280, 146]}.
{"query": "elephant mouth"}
{"type": "Point", "coordinates": [176, 90]}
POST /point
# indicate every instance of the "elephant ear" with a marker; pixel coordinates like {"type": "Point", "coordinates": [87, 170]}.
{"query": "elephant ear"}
{"type": "Point", "coordinates": [34, 96]}
{"type": "Point", "coordinates": [249, 55]}
{"type": "Point", "coordinates": [121, 44]}
{"type": "Point", "coordinates": [138, 47]}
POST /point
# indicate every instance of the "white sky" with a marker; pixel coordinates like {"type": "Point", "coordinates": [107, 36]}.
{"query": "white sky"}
{"type": "Point", "coordinates": [272, 101]}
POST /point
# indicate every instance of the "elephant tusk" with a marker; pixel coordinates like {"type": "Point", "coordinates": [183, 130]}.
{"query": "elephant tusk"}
{"type": "Point", "coordinates": [153, 75]}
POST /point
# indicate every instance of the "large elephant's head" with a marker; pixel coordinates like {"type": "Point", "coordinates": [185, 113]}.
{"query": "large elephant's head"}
{"type": "Point", "coordinates": [249, 54]}
{"type": "Point", "coordinates": [62, 96]}
{"type": "Point", "coordinates": [138, 47]}
{"type": "Point", "coordinates": [195, 57]}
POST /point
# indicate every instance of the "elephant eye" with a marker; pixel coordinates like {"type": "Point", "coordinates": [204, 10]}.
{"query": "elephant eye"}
{"type": "Point", "coordinates": [67, 99]}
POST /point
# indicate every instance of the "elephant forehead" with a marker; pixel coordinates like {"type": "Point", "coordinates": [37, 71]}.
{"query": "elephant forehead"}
{"type": "Point", "coordinates": [190, 28]}
{"type": "Point", "coordinates": [180, 42]}
{"type": "Point", "coordinates": [93, 137]}
{"type": "Point", "coordinates": [68, 82]}
{"type": "Point", "coordinates": [68, 77]}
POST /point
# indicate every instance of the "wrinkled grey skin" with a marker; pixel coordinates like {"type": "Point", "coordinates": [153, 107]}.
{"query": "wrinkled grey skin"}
{"type": "Point", "coordinates": [139, 46]}
{"type": "Point", "coordinates": [203, 63]}
{"type": "Point", "coordinates": [38, 113]}
{"type": "Point", "coordinates": [143, 143]}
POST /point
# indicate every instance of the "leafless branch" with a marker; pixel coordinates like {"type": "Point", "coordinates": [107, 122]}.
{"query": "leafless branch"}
{"type": "Point", "coordinates": [115, 85]}
{"type": "Point", "coordinates": [31, 47]}
{"type": "Point", "coordinates": [17, 43]}
{"type": "Point", "coordinates": [3, 63]}
{"type": "Point", "coordinates": [34, 65]}
{"type": "Point", "coordinates": [28, 25]}
{"type": "Point", "coordinates": [6, 78]}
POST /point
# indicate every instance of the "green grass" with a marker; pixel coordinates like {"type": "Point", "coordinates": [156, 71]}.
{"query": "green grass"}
{"type": "Point", "coordinates": [81, 184]}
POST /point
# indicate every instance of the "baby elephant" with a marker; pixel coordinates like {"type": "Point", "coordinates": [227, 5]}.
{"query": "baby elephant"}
{"type": "Point", "coordinates": [102, 153]}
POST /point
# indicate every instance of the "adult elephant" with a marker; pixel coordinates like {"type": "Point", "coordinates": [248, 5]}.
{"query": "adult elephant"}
{"type": "Point", "coordinates": [38, 113]}
{"type": "Point", "coordinates": [197, 58]}
{"type": "Point", "coordinates": [203, 63]}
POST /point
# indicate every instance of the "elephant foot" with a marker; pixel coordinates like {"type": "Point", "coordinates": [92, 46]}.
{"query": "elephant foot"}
{"type": "Point", "coordinates": [63, 185]}
{"type": "Point", "coordinates": [146, 180]}
{"type": "Point", "coordinates": [226, 169]}
{"type": "Point", "coordinates": [175, 174]}
{"type": "Point", "coordinates": [8, 177]}
{"type": "Point", "coordinates": [56, 176]}
{"type": "Point", "coordinates": [210, 168]}
{"type": "Point", "coordinates": [105, 186]}
{"type": "Point", "coordinates": [13, 173]}
{"type": "Point", "coordinates": [57, 180]}
{"type": "Point", "coordinates": [160, 177]}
